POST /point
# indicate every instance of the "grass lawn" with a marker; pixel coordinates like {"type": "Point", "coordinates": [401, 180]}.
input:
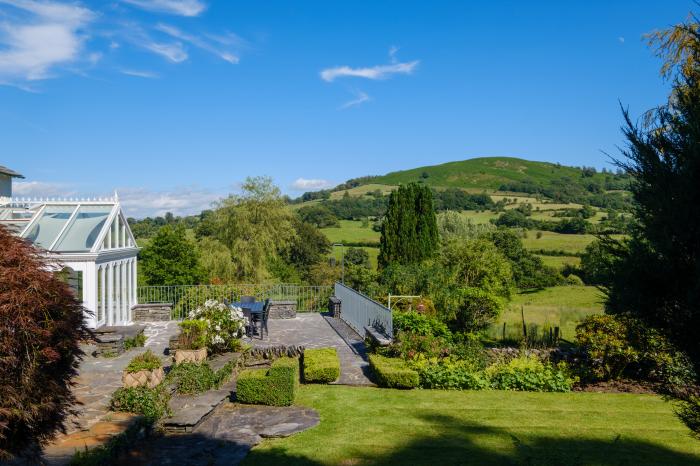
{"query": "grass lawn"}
{"type": "Point", "coordinates": [351, 231]}
{"type": "Point", "coordinates": [363, 426]}
{"type": "Point", "coordinates": [557, 241]}
{"type": "Point", "coordinates": [558, 306]}
{"type": "Point", "coordinates": [559, 262]}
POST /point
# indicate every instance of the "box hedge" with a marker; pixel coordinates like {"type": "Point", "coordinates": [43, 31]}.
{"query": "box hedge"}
{"type": "Point", "coordinates": [321, 365]}
{"type": "Point", "coordinates": [393, 372]}
{"type": "Point", "coordinates": [276, 386]}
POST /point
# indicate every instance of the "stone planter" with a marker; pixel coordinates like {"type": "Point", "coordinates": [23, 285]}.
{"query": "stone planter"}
{"type": "Point", "coordinates": [143, 378]}
{"type": "Point", "coordinates": [195, 356]}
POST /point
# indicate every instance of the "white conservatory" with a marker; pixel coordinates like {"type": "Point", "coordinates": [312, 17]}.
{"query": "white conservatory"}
{"type": "Point", "coordinates": [89, 240]}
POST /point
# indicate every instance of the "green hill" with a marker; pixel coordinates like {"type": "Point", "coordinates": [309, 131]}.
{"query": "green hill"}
{"type": "Point", "coordinates": [488, 173]}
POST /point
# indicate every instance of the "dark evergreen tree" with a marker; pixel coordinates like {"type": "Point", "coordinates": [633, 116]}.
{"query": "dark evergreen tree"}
{"type": "Point", "coordinates": [409, 231]}
{"type": "Point", "coordinates": [657, 276]}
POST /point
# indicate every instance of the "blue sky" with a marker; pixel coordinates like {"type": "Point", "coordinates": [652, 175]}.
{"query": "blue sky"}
{"type": "Point", "coordinates": [174, 102]}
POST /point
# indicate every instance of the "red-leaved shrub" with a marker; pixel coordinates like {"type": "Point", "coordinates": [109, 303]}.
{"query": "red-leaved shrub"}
{"type": "Point", "coordinates": [41, 325]}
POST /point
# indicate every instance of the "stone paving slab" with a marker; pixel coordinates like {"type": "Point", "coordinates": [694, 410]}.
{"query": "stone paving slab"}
{"type": "Point", "coordinates": [225, 437]}
{"type": "Point", "coordinates": [190, 411]}
{"type": "Point", "coordinates": [311, 330]}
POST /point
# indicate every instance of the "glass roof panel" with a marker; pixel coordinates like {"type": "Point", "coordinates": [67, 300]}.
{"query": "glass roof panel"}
{"type": "Point", "coordinates": [83, 232]}
{"type": "Point", "coordinates": [44, 231]}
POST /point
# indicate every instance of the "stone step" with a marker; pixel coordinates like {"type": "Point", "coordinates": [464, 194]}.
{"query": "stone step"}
{"type": "Point", "coordinates": [190, 410]}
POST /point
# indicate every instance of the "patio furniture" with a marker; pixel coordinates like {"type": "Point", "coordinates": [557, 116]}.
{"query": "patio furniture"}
{"type": "Point", "coordinates": [251, 310]}
{"type": "Point", "coordinates": [260, 320]}
{"type": "Point", "coordinates": [247, 299]}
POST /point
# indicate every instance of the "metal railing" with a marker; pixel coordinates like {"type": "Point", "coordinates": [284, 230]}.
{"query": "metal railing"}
{"type": "Point", "coordinates": [359, 311]}
{"type": "Point", "coordinates": [186, 298]}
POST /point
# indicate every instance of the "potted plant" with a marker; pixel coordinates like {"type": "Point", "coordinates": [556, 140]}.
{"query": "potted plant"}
{"type": "Point", "coordinates": [192, 342]}
{"type": "Point", "coordinates": [145, 370]}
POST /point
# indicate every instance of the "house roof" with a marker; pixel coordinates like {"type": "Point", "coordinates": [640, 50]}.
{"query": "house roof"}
{"type": "Point", "coordinates": [12, 173]}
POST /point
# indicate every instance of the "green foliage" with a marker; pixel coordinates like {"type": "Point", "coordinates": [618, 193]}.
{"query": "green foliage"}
{"type": "Point", "coordinates": [193, 335]}
{"type": "Point", "coordinates": [477, 264]}
{"type": "Point", "coordinates": [357, 256]}
{"type": "Point", "coordinates": [471, 309]}
{"type": "Point", "coordinates": [170, 258]}
{"type": "Point", "coordinates": [657, 277]}
{"type": "Point", "coordinates": [308, 247]}
{"type": "Point", "coordinates": [224, 325]}
{"type": "Point", "coordinates": [276, 386]}
{"type": "Point", "coordinates": [190, 378]}
{"type": "Point", "coordinates": [527, 373]}
{"type": "Point", "coordinates": [598, 264]}
{"type": "Point", "coordinates": [604, 340]}
{"type": "Point", "coordinates": [419, 324]}
{"type": "Point", "coordinates": [318, 215]}
{"type": "Point", "coordinates": [255, 226]}
{"type": "Point", "coordinates": [409, 231]}
{"type": "Point", "coordinates": [450, 374]}
{"type": "Point", "coordinates": [137, 341]}
{"type": "Point", "coordinates": [574, 280]}
{"type": "Point", "coordinates": [146, 361]}
{"type": "Point", "coordinates": [321, 365]}
{"type": "Point", "coordinates": [216, 261]}
{"type": "Point", "coordinates": [688, 410]}
{"type": "Point", "coordinates": [152, 403]}
{"type": "Point", "coordinates": [392, 372]}
{"type": "Point", "coordinates": [453, 225]}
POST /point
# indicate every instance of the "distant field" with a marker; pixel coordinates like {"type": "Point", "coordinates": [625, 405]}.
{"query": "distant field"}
{"type": "Point", "coordinates": [560, 261]}
{"type": "Point", "coordinates": [351, 231]}
{"type": "Point", "coordinates": [362, 190]}
{"type": "Point", "coordinates": [557, 241]}
{"type": "Point", "coordinates": [373, 254]}
{"type": "Point", "coordinates": [559, 306]}
{"type": "Point", "coordinates": [479, 217]}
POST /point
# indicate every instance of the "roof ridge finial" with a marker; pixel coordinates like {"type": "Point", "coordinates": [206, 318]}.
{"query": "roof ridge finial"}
{"type": "Point", "coordinates": [116, 196]}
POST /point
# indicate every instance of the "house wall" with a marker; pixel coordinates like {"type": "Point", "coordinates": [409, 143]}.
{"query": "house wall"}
{"type": "Point", "coordinates": [5, 185]}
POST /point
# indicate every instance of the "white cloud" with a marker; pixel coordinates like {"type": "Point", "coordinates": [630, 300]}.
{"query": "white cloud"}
{"type": "Point", "coordinates": [374, 72]}
{"type": "Point", "coordinates": [140, 73]}
{"type": "Point", "coordinates": [621, 39]}
{"type": "Point", "coordinates": [42, 189]}
{"type": "Point", "coordinates": [38, 36]}
{"type": "Point", "coordinates": [173, 51]}
{"type": "Point", "coordinates": [198, 42]}
{"type": "Point", "coordinates": [174, 7]}
{"type": "Point", "coordinates": [303, 184]}
{"type": "Point", "coordinates": [142, 202]}
{"type": "Point", "coordinates": [360, 98]}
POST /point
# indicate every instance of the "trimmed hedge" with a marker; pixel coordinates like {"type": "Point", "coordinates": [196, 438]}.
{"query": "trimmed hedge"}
{"type": "Point", "coordinates": [276, 386]}
{"type": "Point", "coordinates": [393, 372]}
{"type": "Point", "coordinates": [321, 365]}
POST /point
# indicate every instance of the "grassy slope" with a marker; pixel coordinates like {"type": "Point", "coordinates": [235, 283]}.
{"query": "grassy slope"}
{"type": "Point", "coordinates": [484, 173]}
{"type": "Point", "coordinates": [385, 427]}
{"type": "Point", "coordinates": [351, 231]}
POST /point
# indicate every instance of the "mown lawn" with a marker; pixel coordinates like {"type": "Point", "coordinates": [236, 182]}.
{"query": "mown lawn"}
{"type": "Point", "coordinates": [557, 241]}
{"type": "Point", "coordinates": [371, 426]}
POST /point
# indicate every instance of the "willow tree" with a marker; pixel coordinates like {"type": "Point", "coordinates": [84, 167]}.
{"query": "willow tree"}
{"type": "Point", "coordinates": [255, 226]}
{"type": "Point", "coordinates": [409, 231]}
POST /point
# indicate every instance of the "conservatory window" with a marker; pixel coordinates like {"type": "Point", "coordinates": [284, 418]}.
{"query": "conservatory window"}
{"type": "Point", "coordinates": [85, 228]}
{"type": "Point", "coordinates": [45, 230]}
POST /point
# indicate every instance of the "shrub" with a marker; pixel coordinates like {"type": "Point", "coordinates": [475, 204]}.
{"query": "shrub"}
{"type": "Point", "coordinates": [190, 378]}
{"type": "Point", "coordinates": [152, 403]}
{"type": "Point", "coordinates": [530, 374]}
{"type": "Point", "coordinates": [321, 365]}
{"type": "Point", "coordinates": [144, 362]}
{"type": "Point", "coordinates": [224, 325]}
{"type": "Point", "coordinates": [604, 340]}
{"type": "Point", "coordinates": [574, 280]}
{"type": "Point", "coordinates": [41, 324]}
{"type": "Point", "coordinates": [193, 335]}
{"type": "Point", "coordinates": [137, 341]}
{"type": "Point", "coordinates": [472, 309]}
{"type": "Point", "coordinates": [276, 386]}
{"type": "Point", "coordinates": [393, 372]}
{"type": "Point", "coordinates": [408, 345]}
{"type": "Point", "coordinates": [419, 324]}
{"type": "Point", "coordinates": [450, 374]}
{"type": "Point", "coordinates": [688, 410]}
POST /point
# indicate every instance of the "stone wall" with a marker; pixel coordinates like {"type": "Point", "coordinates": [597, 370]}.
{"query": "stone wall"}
{"type": "Point", "coordinates": [156, 312]}
{"type": "Point", "coordinates": [283, 309]}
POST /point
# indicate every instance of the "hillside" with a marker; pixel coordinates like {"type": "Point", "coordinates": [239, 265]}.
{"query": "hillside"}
{"type": "Point", "coordinates": [489, 173]}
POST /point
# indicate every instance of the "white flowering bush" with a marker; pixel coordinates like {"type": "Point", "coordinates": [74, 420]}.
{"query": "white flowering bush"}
{"type": "Point", "coordinates": [224, 325]}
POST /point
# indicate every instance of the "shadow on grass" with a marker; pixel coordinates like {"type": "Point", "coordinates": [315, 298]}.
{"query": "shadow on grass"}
{"type": "Point", "coordinates": [458, 443]}
{"type": "Point", "coordinates": [463, 443]}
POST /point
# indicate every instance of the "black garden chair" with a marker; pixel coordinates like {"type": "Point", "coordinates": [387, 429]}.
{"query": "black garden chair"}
{"type": "Point", "coordinates": [259, 321]}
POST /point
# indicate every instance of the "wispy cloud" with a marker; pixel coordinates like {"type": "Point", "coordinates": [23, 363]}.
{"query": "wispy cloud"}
{"type": "Point", "coordinates": [360, 98]}
{"type": "Point", "coordinates": [201, 43]}
{"type": "Point", "coordinates": [172, 51]}
{"type": "Point", "coordinates": [39, 36]}
{"type": "Point", "coordinates": [374, 72]}
{"type": "Point", "coordinates": [304, 184]}
{"type": "Point", "coordinates": [173, 7]}
{"type": "Point", "coordinates": [140, 73]}
{"type": "Point", "coordinates": [621, 39]}
{"type": "Point", "coordinates": [42, 189]}
{"type": "Point", "coordinates": [142, 202]}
